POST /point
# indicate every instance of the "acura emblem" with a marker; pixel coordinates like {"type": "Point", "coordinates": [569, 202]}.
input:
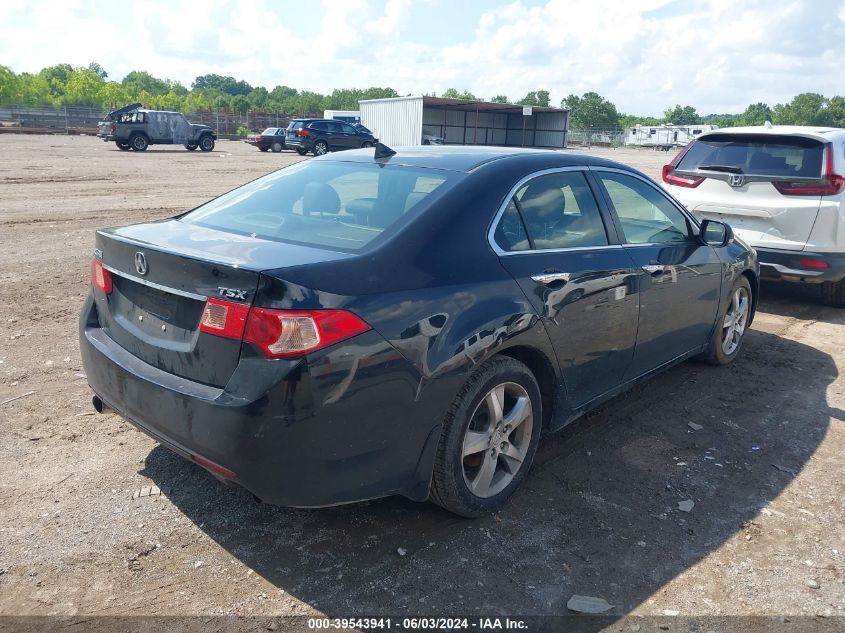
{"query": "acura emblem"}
{"type": "Point", "coordinates": [737, 180]}
{"type": "Point", "coordinates": [141, 263]}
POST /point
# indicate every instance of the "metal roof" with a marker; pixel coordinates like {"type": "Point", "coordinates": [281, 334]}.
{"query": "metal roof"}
{"type": "Point", "coordinates": [469, 105]}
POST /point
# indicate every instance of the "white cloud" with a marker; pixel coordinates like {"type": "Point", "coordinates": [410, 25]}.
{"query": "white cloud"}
{"type": "Point", "coordinates": [717, 55]}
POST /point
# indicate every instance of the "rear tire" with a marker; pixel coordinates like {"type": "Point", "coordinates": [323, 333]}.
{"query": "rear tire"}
{"type": "Point", "coordinates": [301, 151]}
{"type": "Point", "coordinates": [190, 147]}
{"type": "Point", "coordinates": [366, 144]}
{"type": "Point", "coordinates": [833, 293]}
{"type": "Point", "coordinates": [321, 148]}
{"type": "Point", "coordinates": [139, 142]}
{"type": "Point", "coordinates": [206, 143]}
{"type": "Point", "coordinates": [276, 147]}
{"type": "Point", "coordinates": [732, 325]}
{"type": "Point", "coordinates": [123, 146]}
{"type": "Point", "coordinates": [263, 149]}
{"type": "Point", "coordinates": [489, 439]}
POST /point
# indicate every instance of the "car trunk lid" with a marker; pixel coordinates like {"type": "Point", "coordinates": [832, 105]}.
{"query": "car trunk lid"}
{"type": "Point", "coordinates": [163, 276]}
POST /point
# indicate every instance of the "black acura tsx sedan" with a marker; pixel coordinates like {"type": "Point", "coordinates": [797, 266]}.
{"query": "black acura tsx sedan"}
{"type": "Point", "coordinates": [404, 322]}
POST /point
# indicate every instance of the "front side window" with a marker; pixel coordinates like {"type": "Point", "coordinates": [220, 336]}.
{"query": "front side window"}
{"type": "Point", "coordinates": [552, 211]}
{"type": "Point", "coordinates": [336, 205]}
{"type": "Point", "coordinates": [645, 214]}
{"type": "Point", "coordinates": [347, 129]}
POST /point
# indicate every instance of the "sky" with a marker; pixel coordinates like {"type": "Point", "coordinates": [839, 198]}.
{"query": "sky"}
{"type": "Point", "coordinates": [643, 55]}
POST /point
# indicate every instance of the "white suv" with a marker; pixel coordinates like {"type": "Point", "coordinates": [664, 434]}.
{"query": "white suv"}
{"type": "Point", "coordinates": [782, 191]}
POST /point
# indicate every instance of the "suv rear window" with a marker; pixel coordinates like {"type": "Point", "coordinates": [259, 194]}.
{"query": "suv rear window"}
{"type": "Point", "coordinates": [756, 155]}
{"type": "Point", "coordinates": [336, 205]}
{"type": "Point", "coordinates": [295, 125]}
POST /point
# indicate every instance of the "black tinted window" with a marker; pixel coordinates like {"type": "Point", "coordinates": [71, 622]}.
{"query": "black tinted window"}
{"type": "Point", "coordinates": [510, 233]}
{"type": "Point", "coordinates": [756, 154]}
{"type": "Point", "coordinates": [338, 205]}
{"type": "Point", "coordinates": [559, 211]}
{"type": "Point", "coordinates": [347, 129]}
{"type": "Point", "coordinates": [319, 125]}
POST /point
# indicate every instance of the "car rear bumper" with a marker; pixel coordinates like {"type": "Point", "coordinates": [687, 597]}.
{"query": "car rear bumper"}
{"type": "Point", "coordinates": [801, 266]}
{"type": "Point", "coordinates": [311, 432]}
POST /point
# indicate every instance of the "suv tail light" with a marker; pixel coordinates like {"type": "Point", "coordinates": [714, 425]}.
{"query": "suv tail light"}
{"type": "Point", "coordinates": [100, 277]}
{"type": "Point", "coordinates": [280, 333]}
{"type": "Point", "coordinates": [829, 185]}
{"type": "Point", "coordinates": [669, 176]}
{"type": "Point", "coordinates": [303, 133]}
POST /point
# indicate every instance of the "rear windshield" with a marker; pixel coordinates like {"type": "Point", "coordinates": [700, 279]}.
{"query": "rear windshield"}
{"type": "Point", "coordinates": [756, 154]}
{"type": "Point", "coordinates": [295, 125]}
{"type": "Point", "coordinates": [270, 131]}
{"type": "Point", "coordinates": [336, 205]}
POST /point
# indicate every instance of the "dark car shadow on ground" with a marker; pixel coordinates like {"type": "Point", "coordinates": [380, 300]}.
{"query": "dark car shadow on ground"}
{"type": "Point", "coordinates": [803, 301]}
{"type": "Point", "coordinates": [597, 516]}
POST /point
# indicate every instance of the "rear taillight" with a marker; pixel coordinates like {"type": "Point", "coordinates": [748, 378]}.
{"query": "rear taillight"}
{"type": "Point", "coordinates": [830, 184]}
{"type": "Point", "coordinates": [290, 333]}
{"type": "Point", "coordinates": [669, 176]}
{"type": "Point", "coordinates": [813, 263]}
{"type": "Point", "coordinates": [303, 133]}
{"type": "Point", "coordinates": [280, 333]}
{"type": "Point", "coordinates": [224, 318]}
{"type": "Point", "coordinates": [258, 139]}
{"type": "Point", "coordinates": [100, 277]}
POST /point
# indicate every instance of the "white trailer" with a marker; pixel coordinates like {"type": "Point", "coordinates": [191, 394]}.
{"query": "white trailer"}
{"type": "Point", "coordinates": [664, 136]}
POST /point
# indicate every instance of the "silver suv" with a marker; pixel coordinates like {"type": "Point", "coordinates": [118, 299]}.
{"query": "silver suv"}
{"type": "Point", "coordinates": [782, 191]}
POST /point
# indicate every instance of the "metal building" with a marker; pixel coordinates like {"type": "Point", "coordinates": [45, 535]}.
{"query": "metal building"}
{"type": "Point", "coordinates": [404, 121]}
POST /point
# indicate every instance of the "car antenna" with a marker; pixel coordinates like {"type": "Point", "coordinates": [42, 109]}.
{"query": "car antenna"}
{"type": "Point", "coordinates": [383, 151]}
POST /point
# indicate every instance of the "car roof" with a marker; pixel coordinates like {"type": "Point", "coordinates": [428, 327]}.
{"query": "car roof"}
{"type": "Point", "coordinates": [821, 133]}
{"type": "Point", "coordinates": [467, 158]}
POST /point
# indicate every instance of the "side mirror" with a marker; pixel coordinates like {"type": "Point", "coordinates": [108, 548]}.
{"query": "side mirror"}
{"type": "Point", "coordinates": [715, 233]}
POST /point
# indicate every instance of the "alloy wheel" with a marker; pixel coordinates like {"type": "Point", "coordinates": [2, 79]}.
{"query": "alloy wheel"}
{"type": "Point", "coordinates": [497, 439]}
{"type": "Point", "coordinates": [736, 320]}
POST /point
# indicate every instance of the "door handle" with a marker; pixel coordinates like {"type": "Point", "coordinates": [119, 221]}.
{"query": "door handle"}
{"type": "Point", "coordinates": [548, 278]}
{"type": "Point", "coordinates": [653, 269]}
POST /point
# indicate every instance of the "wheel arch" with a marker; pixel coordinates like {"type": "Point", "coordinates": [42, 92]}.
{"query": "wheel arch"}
{"type": "Point", "coordinates": [544, 373]}
{"type": "Point", "coordinates": [754, 282]}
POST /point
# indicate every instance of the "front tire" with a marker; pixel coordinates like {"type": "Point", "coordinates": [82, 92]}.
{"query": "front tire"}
{"type": "Point", "coordinates": [139, 142]}
{"type": "Point", "coordinates": [366, 144]}
{"type": "Point", "coordinates": [206, 143]}
{"type": "Point", "coordinates": [833, 293]}
{"type": "Point", "coordinates": [321, 148]}
{"type": "Point", "coordinates": [123, 146]}
{"type": "Point", "coordinates": [489, 439]}
{"type": "Point", "coordinates": [732, 325]}
{"type": "Point", "coordinates": [301, 151]}
{"type": "Point", "coordinates": [190, 147]}
{"type": "Point", "coordinates": [263, 149]}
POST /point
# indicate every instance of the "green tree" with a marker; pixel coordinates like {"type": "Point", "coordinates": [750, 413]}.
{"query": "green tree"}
{"type": "Point", "coordinates": [9, 85]}
{"type": "Point", "coordinates": [755, 114]}
{"type": "Point", "coordinates": [99, 70]}
{"type": "Point", "coordinates": [229, 85]}
{"type": "Point", "coordinates": [83, 87]}
{"type": "Point", "coordinates": [807, 108]}
{"type": "Point", "coordinates": [139, 81]}
{"type": "Point", "coordinates": [539, 98]}
{"type": "Point", "coordinates": [112, 95]}
{"type": "Point", "coordinates": [259, 99]}
{"type": "Point", "coordinates": [591, 111]}
{"type": "Point", "coordinates": [500, 99]}
{"type": "Point", "coordinates": [452, 93]}
{"type": "Point", "coordinates": [57, 77]}
{"type": "Point", "coordinates": [681, 115]}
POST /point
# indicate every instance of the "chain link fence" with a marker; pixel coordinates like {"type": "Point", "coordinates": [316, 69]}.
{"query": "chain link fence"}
{"type": "Point", "coordinates": [594, 137]}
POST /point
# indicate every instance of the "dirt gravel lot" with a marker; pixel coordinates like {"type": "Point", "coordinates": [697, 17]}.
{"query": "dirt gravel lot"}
{"type": "Point", "coordinates": [598, 516]}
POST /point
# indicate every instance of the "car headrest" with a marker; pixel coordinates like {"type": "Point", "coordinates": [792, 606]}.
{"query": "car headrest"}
{"type": "Point", "coordinates": [320, 198]}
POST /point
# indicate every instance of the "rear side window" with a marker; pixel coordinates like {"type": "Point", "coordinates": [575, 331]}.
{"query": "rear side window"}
{"type": "Point", "coordinates": [756, 155]}
{"type": "Point", "coordinates": [337, 205]}
{"type": "Point", "coordinates": [549, 212]}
